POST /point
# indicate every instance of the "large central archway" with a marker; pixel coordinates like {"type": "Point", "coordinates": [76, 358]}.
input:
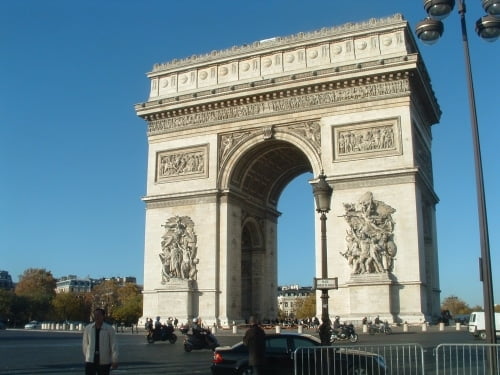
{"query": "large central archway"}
{"type": "Point", "coordinates": [257, 174]}
{"type": "Point", "coordinates": [227, 131]}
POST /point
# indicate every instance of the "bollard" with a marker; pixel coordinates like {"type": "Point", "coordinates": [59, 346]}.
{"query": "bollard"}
{"type": "Point", "coordinates": [71, 326]}
{"type": "Point", "coordinates": [441, 326]}
{"type": "Point", "coordinates": [405, 327]}
{"type": "Point", "coordinates": [235, 329]}
{"type": "Point", "coordinates": [365, 328]}
{"type": "Point", "coordinates": [299, 329]}
{"type": "Point", "coordinates": [424, 327]}
{"type": "Point", "coordinates": [214, 329]}
{"type": "Point", "coordinates": [458, 326]}
{"type": "Point", "coordinates": [278, 329]}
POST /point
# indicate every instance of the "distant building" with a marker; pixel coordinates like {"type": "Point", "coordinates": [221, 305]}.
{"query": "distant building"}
{"type": "Point", "coordinates": [6, 281]}
{"type": "Point", "coordinates": [288, 296]}
{"type": "Point", "coordinates": [72, 283]}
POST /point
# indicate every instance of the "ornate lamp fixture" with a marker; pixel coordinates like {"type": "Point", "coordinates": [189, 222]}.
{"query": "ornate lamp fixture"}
{"type": "Point", "coordinates": [322, 195]}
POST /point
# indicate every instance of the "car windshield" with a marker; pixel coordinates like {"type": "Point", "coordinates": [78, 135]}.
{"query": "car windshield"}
{"type": "Point", "coordinates": [300, 342]}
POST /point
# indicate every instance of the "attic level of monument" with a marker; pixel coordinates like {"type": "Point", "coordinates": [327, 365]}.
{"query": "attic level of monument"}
{"type": "Point", "coordinates": [336, 34]}
{"type": "Point", "coordinates": [323, 68]}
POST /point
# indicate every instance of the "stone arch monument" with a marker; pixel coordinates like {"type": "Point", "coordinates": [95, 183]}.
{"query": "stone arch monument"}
{"type": "Point", "coordinates": [228, 130]}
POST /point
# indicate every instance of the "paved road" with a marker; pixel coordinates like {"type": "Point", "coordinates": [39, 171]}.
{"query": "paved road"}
{"type": "Point", "coordinates": [24, 352]}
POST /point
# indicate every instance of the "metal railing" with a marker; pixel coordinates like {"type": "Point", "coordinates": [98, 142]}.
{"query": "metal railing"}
{"type": "Point", "coordinates": [400, 359]}
{"type": "Point", "coordinates": [467, 359]}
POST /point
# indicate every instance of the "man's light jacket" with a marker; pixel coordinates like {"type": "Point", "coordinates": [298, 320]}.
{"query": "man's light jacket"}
{"type": "Point", "coordinates": [108, 349]}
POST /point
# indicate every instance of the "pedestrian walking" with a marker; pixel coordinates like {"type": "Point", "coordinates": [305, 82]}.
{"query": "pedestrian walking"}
{"type": "Point", "coordinates": [255, 340]}
{"type": "Point", "coordinates": [99, 346]}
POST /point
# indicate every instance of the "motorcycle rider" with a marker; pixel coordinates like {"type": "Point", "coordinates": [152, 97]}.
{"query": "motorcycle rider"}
{"type": "Point", "coordinates": [336, 325]}
{"type": "Point", "coordinates": [202, 334]}
{"type": "Point", "coordinates": [157, 323]}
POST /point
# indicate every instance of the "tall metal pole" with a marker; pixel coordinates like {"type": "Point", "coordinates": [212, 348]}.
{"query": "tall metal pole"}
{"type": "Point", "coordinates": [324, 270]}
{"type": "Point", "coordinates": [485, 261]}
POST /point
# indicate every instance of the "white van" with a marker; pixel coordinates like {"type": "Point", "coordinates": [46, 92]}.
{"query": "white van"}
{"type": "Point", "coordinates": [477, 324]}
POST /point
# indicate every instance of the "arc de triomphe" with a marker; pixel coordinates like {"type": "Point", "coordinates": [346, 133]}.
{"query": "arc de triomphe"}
{"type": "Point", "coordinates": [228, 130]}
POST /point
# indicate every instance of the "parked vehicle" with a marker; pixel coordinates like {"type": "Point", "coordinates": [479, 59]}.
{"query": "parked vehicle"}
{"type": "Point", "coordinates": [33, 325]}
{"type": "Point", "coordinates": [205, 340]}
{"type": "Point", "coordinates": [163, 333]}
{"type": "Point", "coordinates": [477, 324]}
{"type": "Point", "coordinates": [343, 333]}
{"type": "Point", "coordinates": [280, 357]}
{"type": "Point", "coordinates": [379, 328]}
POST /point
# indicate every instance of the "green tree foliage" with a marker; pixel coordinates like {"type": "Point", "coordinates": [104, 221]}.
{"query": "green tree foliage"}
{"type": "Point", "coordinates": [6, 301]}
{"type": "Point", "coordinates": [305, 307]}
{"type": "Point", "coordinates": [37, 286]}
{"type": "Point", "coordinates": [455, 305]}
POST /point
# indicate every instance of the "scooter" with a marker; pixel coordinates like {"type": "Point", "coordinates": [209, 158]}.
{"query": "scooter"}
{"type": "Point", "coordinates": [343, 333]}
{"type": "Point", "coordinates": [379, 328]}
{"type": "Point", "coordinates": [205, 340]}
{"type": "Point", "coordinates": [163, 333]}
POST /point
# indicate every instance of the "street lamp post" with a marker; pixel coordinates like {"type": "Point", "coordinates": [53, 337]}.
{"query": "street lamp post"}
{"type": "Point", "coordinates": [322, 195]}
{"type": "Point", "coordinates": [488, 28]}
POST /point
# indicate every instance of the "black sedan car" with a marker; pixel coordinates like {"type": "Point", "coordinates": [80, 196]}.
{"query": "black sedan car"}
{"type": "Point", "coordinates": [286, 353]}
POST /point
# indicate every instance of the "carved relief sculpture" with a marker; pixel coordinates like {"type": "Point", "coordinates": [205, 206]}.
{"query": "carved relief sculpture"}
{"type": "Point", "coordinates": [185, 163]}
{"type": "Point", "coordinates": [370, 246]}
{"type": "Point", "coordinates": [178, 250]}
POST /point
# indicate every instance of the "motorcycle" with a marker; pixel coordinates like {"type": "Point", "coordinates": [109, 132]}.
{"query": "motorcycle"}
{"type": "Point", "coordinates": [163, 333]}
{"type": "Point", "coordinates": [343, 333]}
{"type": "Point", "coordinates": [379, 328]}
{"type": "Point", "coordinates": [205, 340]}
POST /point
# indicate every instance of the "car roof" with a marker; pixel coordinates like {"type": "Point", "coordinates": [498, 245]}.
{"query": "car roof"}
{"type": "Point", "coordinates": [272, 335]}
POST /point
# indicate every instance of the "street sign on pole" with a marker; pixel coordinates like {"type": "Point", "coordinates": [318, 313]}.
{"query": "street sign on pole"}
{"type": "Point", "coordinates": [328, 283]}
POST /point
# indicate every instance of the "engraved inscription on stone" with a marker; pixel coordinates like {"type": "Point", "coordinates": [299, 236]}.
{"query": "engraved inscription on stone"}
{"type": "Point", "coordinates": [367, 140]}
{"type": "Point", "coordinates": [182, 163]}
{"type": "Point", "coordinates": [178, 250]}
{"type": "Point", "coordinates": [370, 246]}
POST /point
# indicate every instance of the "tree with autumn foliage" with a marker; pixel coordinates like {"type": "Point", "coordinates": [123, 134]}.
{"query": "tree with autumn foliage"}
{"type": "Point", "coordinates": [123, 303]}
{"type": "Point", "coordinates": [37, 288]}
{"type": "Point", "coordinates": [129, 308]}
{"type": "Point", "coordinates": [305, 307]}
{"type": "Point", "coordinates": [71, 306]}
{"type": "Point", "coordinates": [455, 306]}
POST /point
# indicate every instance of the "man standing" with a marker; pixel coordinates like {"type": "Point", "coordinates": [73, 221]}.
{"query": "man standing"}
{"type": "Point", "coordinates": [325, 331]}
{"type": "Point", "coordinates": [255, 340]}
{"type": "Point", "coordinates": [99, 346]}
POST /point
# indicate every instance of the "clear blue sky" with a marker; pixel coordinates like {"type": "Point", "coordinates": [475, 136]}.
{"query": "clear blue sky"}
{"type": "Point", "coordinates": [73, 152]}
